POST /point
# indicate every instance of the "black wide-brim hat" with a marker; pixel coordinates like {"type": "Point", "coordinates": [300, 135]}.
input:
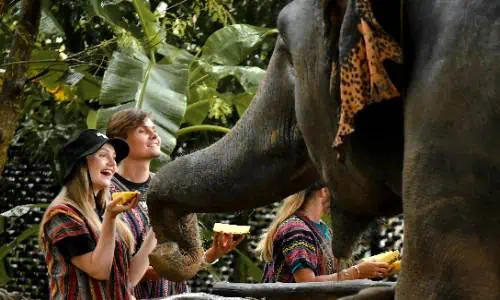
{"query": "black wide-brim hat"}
{"type": "Point", "coordinates": [84, 144]}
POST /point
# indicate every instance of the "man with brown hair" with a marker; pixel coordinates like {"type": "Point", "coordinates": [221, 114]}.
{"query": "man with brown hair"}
{"type": "Point", "coordinates": [137, 128]}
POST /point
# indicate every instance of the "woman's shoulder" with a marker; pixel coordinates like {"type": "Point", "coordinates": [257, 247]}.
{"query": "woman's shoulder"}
{"type": "Point", "coordinates": [292, 224]}
{"type": "Point", "coordinates": [60, 206]}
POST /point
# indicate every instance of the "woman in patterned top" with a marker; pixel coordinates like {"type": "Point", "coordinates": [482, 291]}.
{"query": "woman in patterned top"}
{"type": "Point", "coordinates": [297, 246]}
{"type": "Point", "coordinates": [87, 247]}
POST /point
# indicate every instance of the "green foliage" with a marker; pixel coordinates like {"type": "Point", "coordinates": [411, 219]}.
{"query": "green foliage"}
{"type": "Point", "coordinates": [46, 125]}
{"type": "Point", "coordinates": [232, 44]}
{"type": "Point", "coordinates": [251, 267]}
{"type": "Point", "coordinates": [58, 76]}
{"type": "Point", "coordinates": [29, 232]}
{"type": "Point", "coordinates": [220, 58]}
{"type": "Point", "coordinates": [49, 24]}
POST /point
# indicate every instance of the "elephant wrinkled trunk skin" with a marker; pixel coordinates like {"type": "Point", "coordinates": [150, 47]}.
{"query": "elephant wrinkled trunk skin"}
{"type": "Point", "coordinates": [187, 264]}
{"type": "Point", "coordinates": [263, 159]}
{"type": "Point", "coordinates": [348, 229]}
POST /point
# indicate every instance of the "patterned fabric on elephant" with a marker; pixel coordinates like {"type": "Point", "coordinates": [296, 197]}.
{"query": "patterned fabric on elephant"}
{"type": "Point", "coordinates": [362, 76]}
{"type": "Point", "coordinates": [300, 243]}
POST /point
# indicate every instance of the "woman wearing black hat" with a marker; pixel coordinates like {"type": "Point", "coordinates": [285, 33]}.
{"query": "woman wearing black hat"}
{"type": "Point", "coordinates": [87, 248]}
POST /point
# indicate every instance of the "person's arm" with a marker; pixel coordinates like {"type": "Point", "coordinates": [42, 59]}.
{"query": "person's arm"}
{"type": "Point", "coordinates": [99, 262]}
{"type": "Point", "coordinates": [360, 271]}
{"type": "Point", "coordinates": [140, 262]}
{"type": "Point", "coordinates": [307, 275]}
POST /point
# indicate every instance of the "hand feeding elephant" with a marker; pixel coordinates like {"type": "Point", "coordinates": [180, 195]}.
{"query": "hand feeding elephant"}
{"type": "Point", "coordinates": [435, 149]}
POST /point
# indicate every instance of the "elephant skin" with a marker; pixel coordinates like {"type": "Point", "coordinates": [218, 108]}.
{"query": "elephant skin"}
{"type": "Point", "coordinates": [433, 153]}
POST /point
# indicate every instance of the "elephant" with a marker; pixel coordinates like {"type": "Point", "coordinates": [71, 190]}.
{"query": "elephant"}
{"type": "Point", "coordinates": [395, 105]}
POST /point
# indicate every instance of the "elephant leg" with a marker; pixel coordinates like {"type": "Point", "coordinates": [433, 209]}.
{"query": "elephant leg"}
{"type": "Point", "coordinates": [374, 293]}
{"type": "Point", "coordinates": [452, 224]}
{"type": "Point", "coordinates": [451, 169]}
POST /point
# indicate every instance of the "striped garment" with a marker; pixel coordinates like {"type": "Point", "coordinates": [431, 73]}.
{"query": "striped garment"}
{"type": "Point", "coordinates": [68, 282]}
{"type": "Point", "coordinates": [138, 220]}
{"type": "Point", "coordinates": [299, 243]}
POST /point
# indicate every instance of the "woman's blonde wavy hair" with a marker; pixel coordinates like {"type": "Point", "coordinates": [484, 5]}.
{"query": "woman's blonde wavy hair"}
{"type": "Point", "coordinates": [77, 193]}
{"type": "Point", "coordinates": [290, 206]}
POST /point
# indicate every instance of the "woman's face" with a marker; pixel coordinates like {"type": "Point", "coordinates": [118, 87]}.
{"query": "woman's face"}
{"type": "Point", "coordinates": [102, 167]}
{"type": "Point", "coordinates": [144, 141]}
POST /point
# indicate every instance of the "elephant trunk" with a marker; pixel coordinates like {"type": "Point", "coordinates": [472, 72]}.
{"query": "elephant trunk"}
{"type": "Point", "coordinates": [348, 228]}
{"type": "Point", "coordinates": [262, 160]}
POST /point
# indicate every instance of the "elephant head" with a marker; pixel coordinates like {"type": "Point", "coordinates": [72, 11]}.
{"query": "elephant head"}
{"type": "Point", "coordinates": [284, 141]}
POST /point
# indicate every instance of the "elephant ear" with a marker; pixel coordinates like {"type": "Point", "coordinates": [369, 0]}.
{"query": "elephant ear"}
{"type": "Point", "coordinates": [364, 45]}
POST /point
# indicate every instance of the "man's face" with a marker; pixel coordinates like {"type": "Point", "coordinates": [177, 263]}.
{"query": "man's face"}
{"type": "Point", "coordinates": [144, 141]}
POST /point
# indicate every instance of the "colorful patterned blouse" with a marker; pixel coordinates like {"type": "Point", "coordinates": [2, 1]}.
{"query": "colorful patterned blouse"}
{"type": "Point", "coordinates": [138, 220]}
{"type": "Point", "coordinates": [67, 234]}
{"type": "Point", "coordinates": [300, 243]}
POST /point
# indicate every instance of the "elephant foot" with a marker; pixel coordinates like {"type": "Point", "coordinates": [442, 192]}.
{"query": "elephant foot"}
{"type": "Point", "coordinates": [374, 293]}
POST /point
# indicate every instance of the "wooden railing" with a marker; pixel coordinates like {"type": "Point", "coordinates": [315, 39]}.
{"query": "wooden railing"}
{"type": "Point", "coordinates": [306, 290]}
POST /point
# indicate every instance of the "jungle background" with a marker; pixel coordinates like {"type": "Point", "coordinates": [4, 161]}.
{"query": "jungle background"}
{"type": "Point", "coordinates": [67, 65]}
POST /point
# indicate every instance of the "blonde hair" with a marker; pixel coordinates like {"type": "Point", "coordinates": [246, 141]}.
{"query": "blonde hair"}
{"type": "Point", "coordinates": [290, 206]}
{"type": "Point", "coordinates": [77, 193]}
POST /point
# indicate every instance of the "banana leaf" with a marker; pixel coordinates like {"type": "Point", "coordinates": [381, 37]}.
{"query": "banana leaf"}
{"type": "Point", "coordinates": [203, 83]}
{"type": "Point", "coordinates": [252, 268]}
{"type": "Point", "coordinates": [111, 12]}
{"type": "Point", "coordinates": [232, 44]}
{"type": "Point", "coordinates": [49, 24]}
{"type": "Point", "coordinates": [220, 56]}
{"type": "Point", "coordinates": [148, 29]}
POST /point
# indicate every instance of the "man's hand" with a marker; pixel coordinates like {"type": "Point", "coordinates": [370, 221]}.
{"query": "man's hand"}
{"type": "Point", "coordinates": [222, 243]}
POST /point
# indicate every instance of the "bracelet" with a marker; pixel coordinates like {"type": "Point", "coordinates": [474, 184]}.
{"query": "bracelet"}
{"type": "Point", "coordinates": [357, 271]}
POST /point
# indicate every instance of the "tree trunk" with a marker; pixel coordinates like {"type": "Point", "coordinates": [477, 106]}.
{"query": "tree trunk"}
{"type": "Point", "coordinates": [11, 97]}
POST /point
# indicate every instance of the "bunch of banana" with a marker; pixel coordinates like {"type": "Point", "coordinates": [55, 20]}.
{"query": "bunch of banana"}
{"type": "Point", "coordinates": [389, 257]}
